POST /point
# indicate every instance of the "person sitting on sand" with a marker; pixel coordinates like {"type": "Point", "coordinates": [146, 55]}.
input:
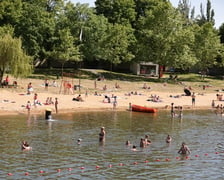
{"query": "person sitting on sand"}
{"type": "Point", "coordinates": [78, 98]}
{"type": "Point", "coordinates": [25, 146]}
{"type": "Point", "coordinates": [184, 149]}
{"type": "Point", "coordinates": [117, 86]}
{"type": "Point", "coordinates": [168, 139]}
{"type": "Point", "coordinates": [105, 87]}
{"type": "Point", "coordinates": [54, 83]}
{"type": "Point", "coordinates": [145, 86]}
{"type": "Point", "coordinates": [106, 99]}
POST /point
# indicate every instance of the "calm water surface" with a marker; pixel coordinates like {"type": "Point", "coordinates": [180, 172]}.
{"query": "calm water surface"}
{"type": "Point", "coordinates": [55, 146]}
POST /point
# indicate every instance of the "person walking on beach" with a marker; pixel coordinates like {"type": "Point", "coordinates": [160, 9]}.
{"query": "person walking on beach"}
{"type": "Point", "coordinates": [46, 84]}
{"type": "Point", "coordinates": [35, 101]}
{"type": "Point", "coordinates": [102, 134]}
{"type": "Point", "coordinates": [56, 105]}
{"type": "Point", "coordinates": [184, 149]}
{"type": "Point", "coordinates": [29, 88]}
{"type": "Point", "coordinates": [115, 102]}
{"type": "Point", "coordinates": [193, 99]}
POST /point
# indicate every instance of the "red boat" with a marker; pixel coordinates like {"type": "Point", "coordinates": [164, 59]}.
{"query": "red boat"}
{"type": "Point", "coordinates": [143, 109]}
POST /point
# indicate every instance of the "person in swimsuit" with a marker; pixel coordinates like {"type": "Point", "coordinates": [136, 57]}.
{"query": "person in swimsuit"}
{"type": "Point", "coordinates": [79, 141]}
{"type": "Point", "coordinates": [193, 99]}
{"type": "Point", "coordinates": [128, 143]}
{"type": "Point", "coordinates": [172, 110]}
{"type": "Point", "coordinates": [56, 105]}
{"type": "Point", "coordinates": [25, 146]}
{"type": "Point", "coordinates": [102, 134]}
{"type": "Point", "coordinates": [142, 143]}
{"type": "Point", "coordinates": [147, 140]}
{"type": "Point", "coordinates": [168, 139]}
{"type": "Point", "coordinates": [134, 148]}
{"type": "Point", "coordinates": [184, 149]}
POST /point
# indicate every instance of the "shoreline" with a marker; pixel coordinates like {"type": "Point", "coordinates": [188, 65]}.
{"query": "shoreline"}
{"type": "Point", "coordinates": [13, 101]}
{"type": "Point", "coordinates": [84, 109]}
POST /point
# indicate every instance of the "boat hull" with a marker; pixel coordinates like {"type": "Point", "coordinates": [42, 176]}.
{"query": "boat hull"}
{"type": "Point", "coordinates": [138, 108]}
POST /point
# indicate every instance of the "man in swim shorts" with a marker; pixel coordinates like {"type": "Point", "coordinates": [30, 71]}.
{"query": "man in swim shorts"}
{"type": "Point", "coordinates": [184, 149]}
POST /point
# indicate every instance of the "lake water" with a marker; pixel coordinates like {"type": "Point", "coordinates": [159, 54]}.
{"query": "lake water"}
{"type": "Point", "coordinates": [56, 154]}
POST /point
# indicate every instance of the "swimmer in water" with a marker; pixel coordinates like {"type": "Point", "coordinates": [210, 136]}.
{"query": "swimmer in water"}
{"type": "Point", "coordinates": [168, 139]}
{"type": "Point", "coordinates": [128, 143]}
{"type": "Point", "coordinates": [134, 148]}
{"type": "Point", "coordinates": [147, 140]}
{"type": "Point", "coordinates": [184, 149]}
{"type": "Point", "coordinates": [25, 146]}
{"type": "Point", "coordinates": [79, 141]}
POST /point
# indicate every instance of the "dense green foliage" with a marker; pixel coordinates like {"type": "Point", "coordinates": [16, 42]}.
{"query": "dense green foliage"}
{"type": "Point", "coordinates": [115, 31]}
{"type": "Point", "coordinates": [12, 57]}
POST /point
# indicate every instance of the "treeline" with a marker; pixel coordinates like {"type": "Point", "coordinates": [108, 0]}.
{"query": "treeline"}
{"type": "Point", "coordinates": [114, 31]}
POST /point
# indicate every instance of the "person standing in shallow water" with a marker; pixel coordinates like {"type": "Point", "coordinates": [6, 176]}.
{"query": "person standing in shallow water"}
{"type": "Point", "coordinates": [184, 149]}
{"type": "Point", "coordinates": [172, 110]}
{"type": "Point", "coordinates": [193, 99]}
{"type": "Point", "coordinates": [56, 105]}
{"type": "Point", "coordinates": [102, 134]}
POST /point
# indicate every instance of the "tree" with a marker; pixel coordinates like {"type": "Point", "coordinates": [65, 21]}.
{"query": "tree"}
{"type": "Point", "coordinates": [185, 9]}
{"type": "Point", "coordinates": [119, 11]}
{"type": "Point", "coordinates": [116, 46]}
{"type": "Point", "coordinates": [158, 31]}
{"type": "Point", "coordinates": [13, 58]}
{"type": "Point", "coordinates": [207, 46]}
{"type": "Point", "coordinates": [36, 27]}
{"type": "Point", "coordinates": [209, 17]}
{"type": "Point", "coordinates": [64, 49]}
{"type": "Point", "coordinates": [10, 11]}
{"type": "Point", "coordinates": [94, 34]}
{"type": "Point", "coordinates": [181, 54]}
{"type": "Point", "coordinates": [221, 33]}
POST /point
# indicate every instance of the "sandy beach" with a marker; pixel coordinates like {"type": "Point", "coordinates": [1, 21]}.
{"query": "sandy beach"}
{"type": "Point", "coordinates": [14, 100]}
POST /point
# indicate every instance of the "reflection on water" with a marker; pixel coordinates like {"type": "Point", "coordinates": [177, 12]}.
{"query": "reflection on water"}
{"type": "Point", "coordinates": [55, 146]}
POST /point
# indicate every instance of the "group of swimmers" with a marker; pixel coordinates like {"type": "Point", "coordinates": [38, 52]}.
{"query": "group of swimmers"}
{"type": "Point", "coordinates": [184, 149]}
{"type": "Point", "coordinates": [144, 142]}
